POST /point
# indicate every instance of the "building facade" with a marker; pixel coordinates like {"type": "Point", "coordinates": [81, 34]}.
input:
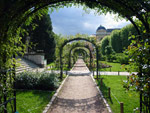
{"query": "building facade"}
{"type": "Point", "coordinates": [101, 32]}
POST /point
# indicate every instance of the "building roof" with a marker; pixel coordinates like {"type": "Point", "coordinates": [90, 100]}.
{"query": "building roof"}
{"type": "Point", "coordinates": [101, 27]}
{"type": "Point", "coordinates": [110, 30]}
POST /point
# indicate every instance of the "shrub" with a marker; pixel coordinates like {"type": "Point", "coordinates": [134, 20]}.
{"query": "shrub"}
{"type": "Point", "coordinates": [26, 80]}
{"type": "Point", "coordinates": [111, 58]}
{"type": "Point", "coordinates": [37, 80]}
{"type": "Point", "coordinates": [47, 81]}
{"type": "Point", "coordinates": [122, 58]}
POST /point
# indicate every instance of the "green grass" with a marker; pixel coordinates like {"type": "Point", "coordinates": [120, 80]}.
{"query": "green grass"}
{"type": "Point", "coordinates": [129, 98]}
{"type": "Point", "coordinates": [32, 101]}
{"type": "Point", "coordinates": [51, 64]}
{"type": "Point", "coordinates": [115, 67]}
{"type": "Point", "coordinates": [65, 67]}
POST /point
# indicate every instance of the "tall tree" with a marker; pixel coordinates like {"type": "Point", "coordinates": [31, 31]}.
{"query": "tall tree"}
{"type": "Point", "coordinates": [105, 42]}
{"type": "Point", "coordinates": [116, 41]}
{"type": "Point", "coordinates": [119, 39]}
{"type": "Point", "coordinates": [43, 37]}
{"type": "Point", "coordinates": [125, 33]}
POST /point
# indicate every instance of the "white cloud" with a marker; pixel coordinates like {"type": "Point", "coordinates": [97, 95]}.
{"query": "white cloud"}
{"type": "Point", "coordinates": [70, 21]}
{"type": "Point", "coordinates": [88, 25]}
{"type": "Point", "coordinates": [111, 22]}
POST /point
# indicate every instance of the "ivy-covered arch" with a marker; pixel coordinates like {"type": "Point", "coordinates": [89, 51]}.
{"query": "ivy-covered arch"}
{"type": "Point", "coordinates": [13, 13]}
{"type": "Point", "coordinates": [19, 11]}
{"type": "Point", "coordinates": [82, 46]}
{"type": "Point", "coordinates": [76, 39]}
{"type": "Point", "coordinates": [79, 50]}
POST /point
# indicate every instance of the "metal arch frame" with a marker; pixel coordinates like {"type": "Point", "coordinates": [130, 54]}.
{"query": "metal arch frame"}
{"type": "Point", "coordinates": [84, 52]}
{"type": "Point", "coordinates": [77, 39]}
{"type": "Point", "coordinates": [133, 11]}
{"type": "Point", "coordinates": [82, 46]}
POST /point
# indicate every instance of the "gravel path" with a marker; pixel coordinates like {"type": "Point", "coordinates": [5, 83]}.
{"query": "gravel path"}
{"type": "Point", "coordinates": [78, 94]}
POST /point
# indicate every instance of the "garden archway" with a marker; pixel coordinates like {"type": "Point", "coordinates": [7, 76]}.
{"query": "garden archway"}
{"type": "Point", "coordinates": [77, 39]}
{"type": "Point", "coordinates": [87, 47]}
{"type": "Point", "coordinates": [79, 53]}
{"type": "Point", "coordinates": [15, 12]}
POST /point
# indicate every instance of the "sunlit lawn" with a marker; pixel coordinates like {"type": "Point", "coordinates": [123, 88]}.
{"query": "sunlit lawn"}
{"type": "Point", "coordinates": [129, 98]}
{"type": "Point", "coordinates": [115, 67]}
{"type": "Point", "coordinates": [32, 101]}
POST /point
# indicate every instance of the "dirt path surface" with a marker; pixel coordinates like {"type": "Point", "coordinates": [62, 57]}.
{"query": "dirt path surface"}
{"type": "Point", "coordinates": [78, 94]}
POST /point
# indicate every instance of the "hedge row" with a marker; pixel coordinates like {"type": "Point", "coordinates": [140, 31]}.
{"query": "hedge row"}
{"type": "Point", "coordinates": [37, 81]}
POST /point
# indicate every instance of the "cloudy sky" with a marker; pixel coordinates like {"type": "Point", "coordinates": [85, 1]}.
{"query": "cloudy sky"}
{"type": "Point", "coordinates": [70, 21]}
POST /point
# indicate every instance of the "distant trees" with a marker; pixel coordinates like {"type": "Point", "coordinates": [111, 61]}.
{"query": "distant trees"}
{"type": "Point", "coordinates": [104, 44]}
{"type": "Point", "coordinates": [125, 33]}
{"type": "Point", "coordinates": [118, 39]}
{"type": "Point", "coordinates": [115, 41]}
{"type": "Point", "coordinates": [113, 46]}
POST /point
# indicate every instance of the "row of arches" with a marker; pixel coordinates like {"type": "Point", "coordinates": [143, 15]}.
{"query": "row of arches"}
{"type": "Point", "coordinates": [83, 47]}
{"type": "Point", "coordinates": [77, 39]}
{"type": "Point", "coordinates": [15, 12]}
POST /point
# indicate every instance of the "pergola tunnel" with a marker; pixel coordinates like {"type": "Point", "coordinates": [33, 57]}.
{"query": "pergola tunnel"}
{"type": "Point", "coordinates": [81, 53]}
{"type": "Point", "coordinates": [83, 47]}
{"type": "Point", "coordinates": [76, 39]}
{"type": "Point", "coordinates": [15, 13]}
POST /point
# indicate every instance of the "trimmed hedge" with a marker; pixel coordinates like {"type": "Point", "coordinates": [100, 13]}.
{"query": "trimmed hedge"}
{"type": "Point", "coordinates": [37, 81]}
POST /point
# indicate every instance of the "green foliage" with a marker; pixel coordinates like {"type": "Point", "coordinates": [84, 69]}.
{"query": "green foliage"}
{"type": "Point", "coordinates": [119, 39]}
{"type": "Point", "coordinates": [42, 37]}
{"type": "Point", "coordinates": [11, 33]}
{"type": "Point", "coordinates": [59, 41]}
{"type": "Point", "coordinates": [116, 41]}
{"type": "Point", "coordinates": [104, 43]}
{"type": "Point", "coordinates": [108, 50]}
{"type": "Point", "coordinates": [66, 49]}
{"type": "Point", "coordinates": [14, 13]}
{"type": "Point", "coordinates": [122, 58]}
{"type": "Point", "coordinates": [37, 80]}
{"type": "Point", "coordinates": [140, 60]}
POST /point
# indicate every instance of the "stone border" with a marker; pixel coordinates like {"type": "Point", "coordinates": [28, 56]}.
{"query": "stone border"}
{"type": "Point", "coordinates": [104, 100]}
{"type": "Point", "coordinates": [54, 96]}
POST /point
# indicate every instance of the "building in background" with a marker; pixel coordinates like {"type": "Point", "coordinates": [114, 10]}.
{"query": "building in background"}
{"type": "Point", "coordinates": [101, 32]}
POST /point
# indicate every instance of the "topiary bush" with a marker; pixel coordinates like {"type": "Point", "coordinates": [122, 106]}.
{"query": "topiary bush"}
{"type": "Point", "coordinates": [37, 80]}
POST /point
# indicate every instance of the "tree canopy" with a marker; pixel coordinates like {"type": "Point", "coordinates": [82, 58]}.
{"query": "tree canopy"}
{"type": "Point", "coordinates": [118, 39]}
{"type": "Point", "coordinates": [104, 43]}
{"type": "Point", "coordinates": [42, 37]}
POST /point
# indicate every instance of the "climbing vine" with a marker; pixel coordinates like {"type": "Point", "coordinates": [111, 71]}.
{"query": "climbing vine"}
{"type": "Point", "coordinates": [10, 46]}
{"type": "Point", "coordinates": [14, 13]}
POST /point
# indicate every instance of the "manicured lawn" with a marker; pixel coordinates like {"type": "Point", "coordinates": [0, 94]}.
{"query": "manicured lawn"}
{"type": "Point", "coordinates": [115, 67]}
{"type": "Point", "coordinates": [32, 101]}
{"type": "Point", "coordinates": [129, 98]}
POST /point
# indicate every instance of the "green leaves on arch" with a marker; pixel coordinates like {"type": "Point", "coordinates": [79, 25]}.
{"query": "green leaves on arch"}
{"type": "Point", "coordinates": [83, 47]}
{"type": "Point", "coordinates": [77, 39]}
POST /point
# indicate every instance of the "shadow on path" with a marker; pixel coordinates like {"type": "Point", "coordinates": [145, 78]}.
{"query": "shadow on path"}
{"type": "Point", "coordinates": [88, 105]}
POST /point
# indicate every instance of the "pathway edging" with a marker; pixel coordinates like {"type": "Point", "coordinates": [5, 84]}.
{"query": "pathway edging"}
{"type": "Point", "coordinates": [54, 96]}
{"type": "Point", "coordinates": [104, 100]}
